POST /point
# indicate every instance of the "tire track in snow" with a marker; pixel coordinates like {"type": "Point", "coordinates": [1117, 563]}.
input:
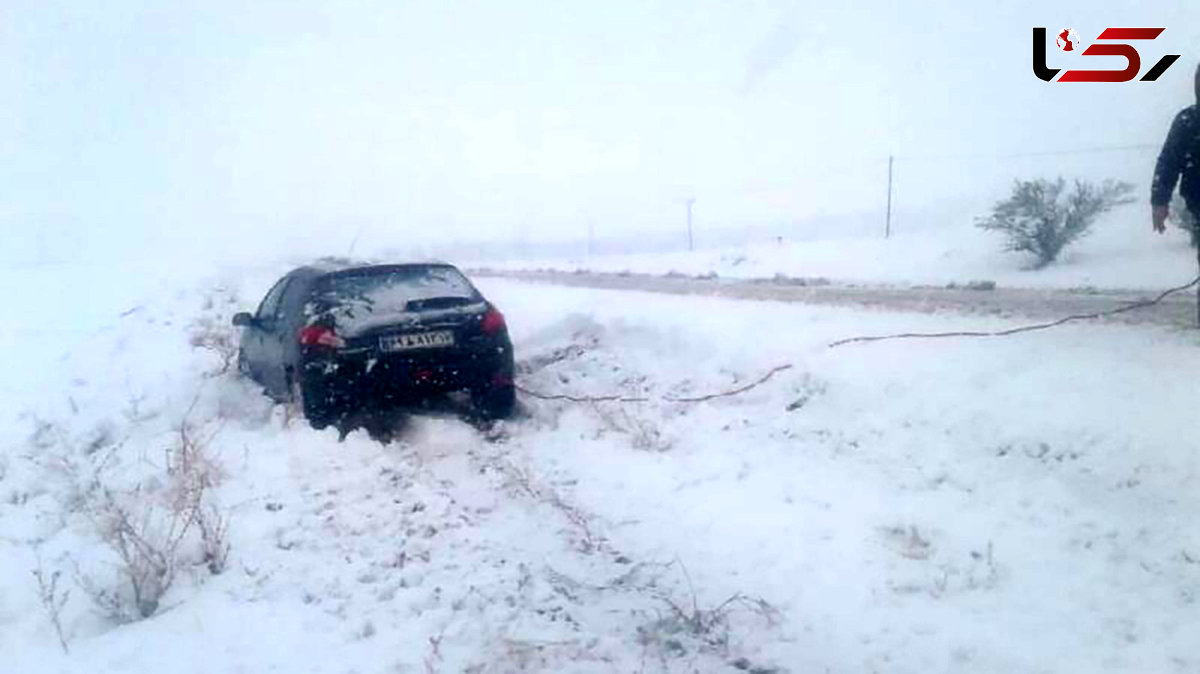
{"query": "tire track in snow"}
{"type": "Point", "coordinates": [452, 541]}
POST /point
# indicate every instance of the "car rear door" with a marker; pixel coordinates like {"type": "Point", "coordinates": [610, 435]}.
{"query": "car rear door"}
{"type": "Point", "coordinates": [285, 345]}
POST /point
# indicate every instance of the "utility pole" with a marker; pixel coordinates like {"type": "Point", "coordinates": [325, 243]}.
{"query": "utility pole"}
{"type": "Point", "coordinates": [887, 230]}
{"type": "Point", "coordinates": [354, 241]}
{"type": "Point", "coordinates": [691, 244]}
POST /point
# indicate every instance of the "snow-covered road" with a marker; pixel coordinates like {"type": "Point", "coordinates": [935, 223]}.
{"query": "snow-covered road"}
{"type": "Point", "coordinates": [1177, 309]}
{"type": "Point", "coordinates": [1024, 504]}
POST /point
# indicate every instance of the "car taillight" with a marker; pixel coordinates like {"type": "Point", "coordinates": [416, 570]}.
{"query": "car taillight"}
{"type": "Point", "coordinates": [493, 321]}
{"type": "Point", "coordinates": [320, 335]}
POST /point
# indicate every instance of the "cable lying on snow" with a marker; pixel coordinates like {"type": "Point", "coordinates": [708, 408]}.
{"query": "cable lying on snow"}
{"type": "Point", "coordinates": [1025, 328]}
{"type": "Point", "coordinates": [852, 340]}
{"type": "Point", "coordinates": [636, 399]}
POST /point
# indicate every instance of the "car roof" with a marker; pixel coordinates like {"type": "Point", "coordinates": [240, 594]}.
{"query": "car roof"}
{"type": "Point", "coordinates": [330, 266]}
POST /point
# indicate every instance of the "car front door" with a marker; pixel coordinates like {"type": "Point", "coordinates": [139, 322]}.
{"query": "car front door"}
{"type": "Point", "coordinates": [263, 358]}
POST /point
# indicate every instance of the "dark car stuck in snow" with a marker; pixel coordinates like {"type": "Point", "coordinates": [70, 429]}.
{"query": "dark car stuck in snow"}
{"type": "Point", "coordinates": [336, 338]}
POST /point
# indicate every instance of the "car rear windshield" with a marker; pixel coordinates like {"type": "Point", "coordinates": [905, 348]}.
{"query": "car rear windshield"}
{"type": "Point", "coordinates": [395, 289]}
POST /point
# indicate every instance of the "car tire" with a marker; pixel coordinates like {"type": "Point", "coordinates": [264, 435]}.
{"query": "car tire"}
{"type": "Point", "coordinates": [316, 418]}
{"type": "Point", "coordinates": [495, 402]}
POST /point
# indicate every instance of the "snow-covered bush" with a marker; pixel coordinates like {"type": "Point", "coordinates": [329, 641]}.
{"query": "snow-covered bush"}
{"type": "Point", "coordinates": [148, 524]}
{"type": "Point", "coordinates": [215, 335]}
{"type": "Point", "coordinates": [1042, 217]}
{"type": "Point", "coordinates": [148, 529]}
{"type": "Point", "coordinates": [644, 432]}
{"type": "Point", "coordinates": [53, 599]}
{"type": "Point", "coordinates": [146, 540]}
{"type": "Point", "coordinates": [687, 629]}
{"type": "Point", "coordinates": [192, 472]}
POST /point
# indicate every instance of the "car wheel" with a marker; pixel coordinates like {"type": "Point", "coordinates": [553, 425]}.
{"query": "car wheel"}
{"type": "Point", "coordinates": [316, 418]}
{"type": "Point", "coordinates": [496, 402]}
{"type": "Point", "coordinates": [243, 367]}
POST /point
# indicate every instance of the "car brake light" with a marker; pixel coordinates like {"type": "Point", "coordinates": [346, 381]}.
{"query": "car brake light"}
{"type": "Point", "coordinates": [493, 321]}
{"type": "Point", "coordinates": [320, 335]}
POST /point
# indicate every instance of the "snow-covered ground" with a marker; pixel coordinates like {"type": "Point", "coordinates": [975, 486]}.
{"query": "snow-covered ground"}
{"type": "Point", "coordinates": [1019, 504]}
{"type": "Point", "coordinates": [1121, 252]}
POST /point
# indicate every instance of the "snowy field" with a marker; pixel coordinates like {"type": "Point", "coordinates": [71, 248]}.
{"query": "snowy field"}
{"type": "Point", "coordinates": [1121, 252]}
{"type": "Point", "coordinates": [1017, 505]}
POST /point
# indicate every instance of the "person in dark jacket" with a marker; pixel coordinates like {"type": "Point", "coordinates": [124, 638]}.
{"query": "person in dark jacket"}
{"type": "Point", "coordinates": [1179, 162]}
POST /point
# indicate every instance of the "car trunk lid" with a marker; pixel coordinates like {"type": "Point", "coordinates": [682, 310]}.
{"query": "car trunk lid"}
{"type": "Point", "coordinates": [368, 309]}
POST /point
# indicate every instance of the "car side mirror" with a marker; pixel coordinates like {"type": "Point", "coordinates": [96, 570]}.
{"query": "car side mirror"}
{"type": "Point", "coordinates": [243, 319]}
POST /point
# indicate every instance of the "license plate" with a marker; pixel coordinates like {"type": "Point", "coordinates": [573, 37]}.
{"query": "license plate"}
{"type": "Point", "coordinates": [417, 340]}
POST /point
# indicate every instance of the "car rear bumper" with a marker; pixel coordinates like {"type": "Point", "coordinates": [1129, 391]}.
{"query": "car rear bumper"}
{"type": "Point", "coordinates": [335, 383]}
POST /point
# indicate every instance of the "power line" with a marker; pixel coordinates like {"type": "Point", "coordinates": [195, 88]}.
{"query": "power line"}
{"type": "Point", "coordinates": [1038, 153]}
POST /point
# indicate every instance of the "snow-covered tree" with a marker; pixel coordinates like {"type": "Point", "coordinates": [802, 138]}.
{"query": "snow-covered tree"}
{"type": "Point", "coordinates": [1042, 217]}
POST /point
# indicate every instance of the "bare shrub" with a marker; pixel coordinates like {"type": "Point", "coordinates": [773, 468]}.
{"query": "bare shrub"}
{"type": "Point", "coordinates": [991, 572]}
{"type": "Point", "coordinates": [146, 541]}
{"type": "Point", "coordinates": [681, 626]}
{"type": "Point", "coordinates": [192, 473]}
{"type": "Point", "coordinates": [1042, 218]}
{"type": "Point", "coordinates": [806, 389]}
{"type": "Point", "coordinates": [108, 598]}
{"type": "Point", "coordinates": [190, 469]}
{"type": "Point", "coordinates": [147, 530]}
{"type": "Point", "coordinates": [981, 573]}
{"type": "Point", "coordinates": [64, 462]}
{"type": "Point", "coordinates": [703, 629]}
{"type": "Point", "coordinates": [687, 627]}
{"type": "Point", "coordinates": [214, 538]}
{"type": "Point", "coordinates": [907, 541]}
{"type": "Point", "coordinates": [53, 599]}
{"type": "Point", "coordinates": [214, 335]}
{"type": "Point", "coordinates": [46, 434]}
{"type": "Point", "coordinates": [643, 433]}
{"type": "Point", "coordinates": [434, 655]}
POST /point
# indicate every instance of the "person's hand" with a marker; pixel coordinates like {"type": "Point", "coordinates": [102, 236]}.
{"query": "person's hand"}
{"type": "Point", "coordinates": [1159, 217]}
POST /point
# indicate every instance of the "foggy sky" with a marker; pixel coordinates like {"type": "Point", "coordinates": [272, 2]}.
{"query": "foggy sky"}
{"type": "Point", "coordinates": [220, 123]}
